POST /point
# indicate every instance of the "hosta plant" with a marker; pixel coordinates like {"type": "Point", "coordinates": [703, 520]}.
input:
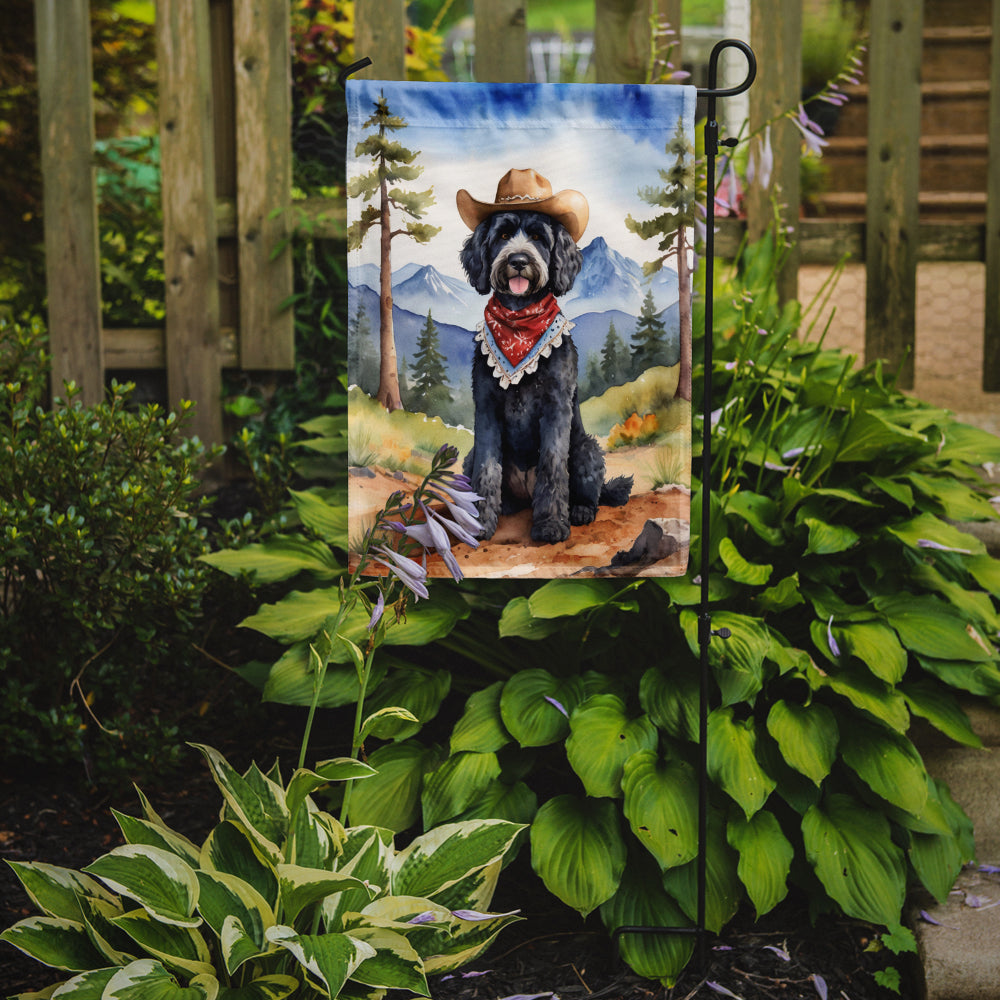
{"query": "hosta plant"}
{"type": "Point", "coordinates": [279, 900]}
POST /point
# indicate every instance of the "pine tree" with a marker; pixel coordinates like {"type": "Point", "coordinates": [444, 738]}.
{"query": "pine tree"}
{"type": "Point", "coordinates": [649, 342]}
{"type": "Point", "coordinates": [614, 358]}
{"type": "Point", "coordinates": [677, 199]}
{"type": "Point", "coordinates": [362, 361]}
{"type": "Point", "coordinates": [430, 390]}
{"type": "Point", "coordinates": [393, 163]}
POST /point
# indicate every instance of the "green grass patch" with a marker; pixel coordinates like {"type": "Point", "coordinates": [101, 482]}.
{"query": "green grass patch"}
{"type": "Point", "coordinates": [652, 392]}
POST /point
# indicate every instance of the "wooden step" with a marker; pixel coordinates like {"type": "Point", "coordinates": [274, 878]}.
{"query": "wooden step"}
{"type": "Point", "coordinates": [957, 206]}
{"type": "Point", "coordinates": [956, 53]}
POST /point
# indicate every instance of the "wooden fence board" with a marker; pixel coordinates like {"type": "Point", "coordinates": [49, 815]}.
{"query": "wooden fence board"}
{"type": "Point", "coordinates": [72, 257]}
{"type": "Point", "coordinates": [380, 34]}
{"type": "Point", "coordinates": [776, 34]}
{"type": "Point", "coordinates": [621, 40]}
{"type": "Point", "coordinates": [501, 38]}
{"type": "Point", "coordinates": [261, 58]}
{"type": "Point", "coordinates": [991, 331]}
{"type": "Point", "coordinates": [893, 183]}
{"type": "Point", "coordinates": [190, 253]}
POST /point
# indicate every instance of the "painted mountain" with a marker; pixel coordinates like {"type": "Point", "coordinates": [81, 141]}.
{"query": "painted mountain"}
{"type": "Point", "coordinates": [609, 289]}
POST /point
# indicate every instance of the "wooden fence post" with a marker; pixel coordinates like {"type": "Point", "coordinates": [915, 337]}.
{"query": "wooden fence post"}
{"type": "Point", "coordinates": [380, 34]}
{"type": "Point", "coordinates": [261, 57]}
{"type": "Point", "coordinates": [991, 332]}
{"type": "Point", "coordinates": [72, 255]}
{"type": "Point", "coordinates": [501, 37]}
{"type": "Point", "coordinates": [622, 40]}
{"type": "Point", "coordinates": [190, 251]}
{"type": "Point", "coordinates": [776, 34]}
{"type": "Point", "coordinates": [893, 183]}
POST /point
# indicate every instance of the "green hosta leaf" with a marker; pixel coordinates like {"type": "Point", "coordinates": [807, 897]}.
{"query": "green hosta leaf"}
{"type": "Point", "coordinates": [56, 891]}
{"type": "Point", "coordinates": [661, 799]}
{"type": "Point", "coordinates": [888, 763]}
{"type": "Point", "coordinates": [275, 987]}
{"type": "Point", "coordinates": [54, 941]}
{"type": "Point", "coordinates": [578, 851]}
{"type": "Point", "coordinates": [985, 570]}
{"type": "Point", "coordinates": [866, 692]}
{"type": "Point", "coordinates": [975, 605]}
{"type": "Point", "coordinates": [870, 435]}
{"type": "Point", "coordinates": [535, 706]}
{"type": "Point", "coordinates": [180, 948]}
{"type": "Point", "coordinates": [330, 959]}
{"type": "Point", "coordinates": [230, 849]}
{"type": "Point", "coordinates": [876, 646]}
{"type": "Point", "coordinates": [418, 691]}
{"type": "Point", "coordinates": [828, 539]}
{"type": "Point", "coordinates": [395, 964]}
{"type": "Point", "coordinates": [292, 681]}
{"type": "Point", "coordinates": [260, 809]}
{"type": "Point", "coordinates": [391, 798]}
{"type": "Point", "coordinates": [602, 738]}
{"type": "Point", "coordinates": [758, 511]}
{"type": "Point", "coordinates": [160, 882]}
{"type": "Point", "coordinates": [976, 678]}
{"type": "Point", "coordinates": [147, 979]}
{"type": "Point", "coordinates": [641, 901]}
{"type": "Point", "coordinates": [456, 784]}
{"type": "Point", "coordinates": [931, 628]}
{"type": "Point", "coordinates": [327, 520]}
{"type": "Point", "coordinates": [387, 723]}
{"type": "Point", "coordinates": [442, 857]}
{"type": "Point", "coordinates": [785, 594]}
{"type": "Point", "coordinates": [937, 858]}
{"type": "Point", "coordinates": [765, 858]}
{"type": "Point", "coordinates": [958, 502]}
{"type": "Point", "coordinates": [941, 709]}
{"type": "Point", "coordinates": [226, 898]}
{"type": "Point", "coordinates": [850, 848]}
{"type": "Point", "coordinates": [927, 528]}
{"type": "Point", "coordinates": [738, 569]}
{"type": "Point", "coordinates": [142, 831]}
{"type": "Point", "coordinates": [481, 728]}
{"type": "Point", "coordinates": [560, 598]}
{"type": "Point", "coordinates": [738, 661]}
{"type": "Point", "coordinates": [723, 889]}
{"type": "Point", "coordinates": [807, 736]}
{"type": "Point", "coordinates": [301, 887]}
{"type": "Point", "coordinates": [732, 760]}
{"type": "Point", "coordinates": [517, 620]}
{"type": "Point", "coordinates": [671, 700]}
{"type": "Point", "coordinates": [279, 558]}
{"type": "Point", "coordinates": [516, 803]}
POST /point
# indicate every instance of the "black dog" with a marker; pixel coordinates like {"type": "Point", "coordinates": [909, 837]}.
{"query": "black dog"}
{"type": "Point", "coordinates": [530, 444]}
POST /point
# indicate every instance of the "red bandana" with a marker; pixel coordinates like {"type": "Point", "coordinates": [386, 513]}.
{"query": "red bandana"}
{"type": "Point", "coordinates": [516, 331]}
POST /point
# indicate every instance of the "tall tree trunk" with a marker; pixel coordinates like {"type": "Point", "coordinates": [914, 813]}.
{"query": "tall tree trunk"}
{"type": "Point", "coordinates": [684, 316]}
{"type": "Point", "coordinates": [388, 372]}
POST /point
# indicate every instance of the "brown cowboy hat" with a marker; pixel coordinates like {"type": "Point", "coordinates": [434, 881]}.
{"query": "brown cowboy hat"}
{"type": "Point", "coordinates": [528, 189]}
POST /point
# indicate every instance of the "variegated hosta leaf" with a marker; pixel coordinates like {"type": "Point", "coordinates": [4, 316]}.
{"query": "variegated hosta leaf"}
{"type": "Point", "coordinates": [732, 760]}
{"type": "Point", "coordinates": [230, 849]}
{"type": "Point", "coordinates": [158, 880]}
{"type": "Point", "coordinates": [602, 737]}
{"type": "Point", "coordinates": [315, 838]}
{"type": "Point", "coordinates": [99, 915]}
{"type": "Point", "coordinates": [578, 851]}
{"type": "Point", "coordinates": [456, 784]}
{"type": "Point", "coordinates": [56, 891]}
{"type": "Point", "coordinates": [225, 897]}
{"type": "Point", "coordinates": [86, 986]}
{"type": "Point", "coordinates": [328, 959]}
{"type": "Point", "coordinates": [256, 801]}
{"type": "Point", "coordinates": [476, 890]}
{"type": "Point", "coordinates": [441, 857]}
{"type": "Point", "coordinates": [274, 987]}
{"type": "Point", "coordinates": [54, 941]}
{"type": "Point", "coordinates": [177, 947]}
{"type": "Point", "coordinates": [535, 706]}
{"type": "Point", "coordinates": [468, 939]}
{"type": "Point", "coordinates": [304, 782]}
{"type": "Point", "coordinates": [481, 727]}
{"type": "Point", "coordinates": [807, 736]}
{"type": "Point", "coordinates": [661, 805]}
{"type": "Point", "coordinates": [141, 831]}
{"type": "Point", "coordinates": [395, 964]}
{"type": "Point", "coordinates": [765, 858]}
{"type": "Point", "coordinates": [147, 979]}
{"type": "Point", "coordinates": [850, 847]}
{"type": "Point", "coordinates": [301, 887]}
{"type": "Point", "coordinates": [367, 853]}
{"type": "Point", "coordinates": [642, 902]}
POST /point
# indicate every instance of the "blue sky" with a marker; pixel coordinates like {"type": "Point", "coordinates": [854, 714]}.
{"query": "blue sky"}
{"type": "Point", "coordinates": [605, 140]}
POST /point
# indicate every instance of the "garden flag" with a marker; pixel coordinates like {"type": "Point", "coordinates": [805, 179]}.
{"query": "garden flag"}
{"type": "Point", "coordinates": [519, 260]}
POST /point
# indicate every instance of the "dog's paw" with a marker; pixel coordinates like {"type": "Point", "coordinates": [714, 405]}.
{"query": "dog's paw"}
{"type": "Point", "coordinates": [487, 522]}
{"type": "Point", "coordinates": [550, 530]}
{"type": "Point", "coordinates": [582, 514]}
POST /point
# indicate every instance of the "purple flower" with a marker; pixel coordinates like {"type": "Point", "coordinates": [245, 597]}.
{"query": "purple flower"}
{"type": "Point", "coordinates": [834, 648]}
{"type": "Point", "coordinates": [719, 988]}
{"type": "Point", "coordinates": [820, 983]}
{"type": "Point", "coordinates": [475, 915]}
{"type": "Point", "coordinates": [427, 917]}
{"type": "Point", "coordinates": [377, 612]}
{"type": "Point", "coordinates": [558, 705]}
{"type": "Point", "coordinates": [761, 163]}
{"type": "Point", "coordinates": [410, 573]}
{"type": "Point", "coordinates": [927, 543]}
{"type": "Point", "coordinates": [811, 132]}
{"type": "Point", "coordinates": [780, 952]}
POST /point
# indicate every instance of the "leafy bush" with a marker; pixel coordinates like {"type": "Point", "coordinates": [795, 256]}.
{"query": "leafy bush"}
{"type": "Point", "coordinates": [99, 541]}
{"type": "Point", "coordinates": [279, 899]}
{"type": "Point", "coordinates": [854, 604]}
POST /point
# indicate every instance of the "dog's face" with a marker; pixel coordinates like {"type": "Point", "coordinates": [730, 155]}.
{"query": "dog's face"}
{"type": "Point", "coordinates": [521, 256]}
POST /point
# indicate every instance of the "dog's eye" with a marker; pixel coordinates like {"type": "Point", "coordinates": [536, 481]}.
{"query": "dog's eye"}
{"type": "Point", "coordinates": [506, 234]}
{"type": "Point", "coordinates": [536, 238]}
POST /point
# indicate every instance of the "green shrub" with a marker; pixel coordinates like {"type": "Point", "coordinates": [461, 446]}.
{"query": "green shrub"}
{"type": "Point", "coordinates": [101, 584]}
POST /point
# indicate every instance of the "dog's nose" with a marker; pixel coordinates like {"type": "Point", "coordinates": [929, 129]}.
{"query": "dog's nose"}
{"type": "Point", "coordinates": [518, 261]}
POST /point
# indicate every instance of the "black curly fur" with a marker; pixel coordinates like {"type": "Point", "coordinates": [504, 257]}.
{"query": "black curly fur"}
{"type": "Point", "coordinates": [530, 445]}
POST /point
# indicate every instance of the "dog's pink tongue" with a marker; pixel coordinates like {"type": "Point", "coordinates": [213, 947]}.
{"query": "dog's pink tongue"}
{"type": "Point", "coordinates": [518, 286]}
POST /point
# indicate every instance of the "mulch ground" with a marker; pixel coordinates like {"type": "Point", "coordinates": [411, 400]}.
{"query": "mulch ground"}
{"type": "Point", "coordinates": [550, 953]}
